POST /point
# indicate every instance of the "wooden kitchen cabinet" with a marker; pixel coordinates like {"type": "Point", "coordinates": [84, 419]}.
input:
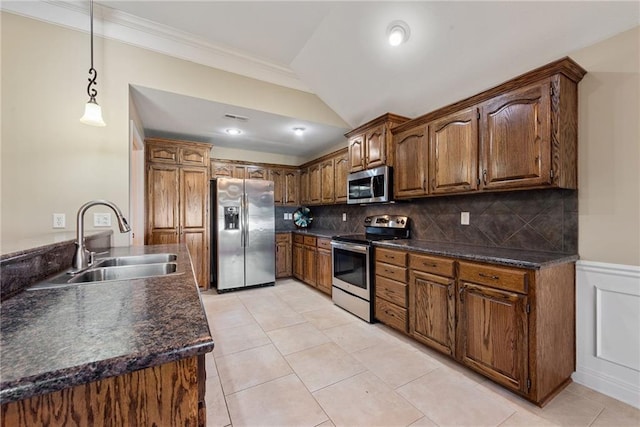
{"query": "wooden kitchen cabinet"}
{"type": "Point", "coordinates": [341, 173]}
{"type": "Point", "coordinates": [277, 176]}
{"type": "Point", "coordinates": [256, 172]}
{"type": "Point", "coordinates": [516, 138]}
{"type": "Point", "coordinates": [283, 255]}
{"type": "Point", "coordinates": [304, 186]}
{"type": "Point", "coordinates": [323, 267]}
{"type": "Point", "coordinates": [453, 152]}
{"type": "Point", "coordinates": [310, 267]}
{"type": "Point", "coordinates": [291, 186]}
{"type": "Point", "coordinates": [391, 288]}
{"type": "Point", "coordinates": [315, 184]}
{"type": "Point", "coordinates": [411, 157]}
{"type": "Point", "coordinates": [327, 181]}
{"type": "Point", "coordinates": [298, 258]}
{"type": "Point", "coordinates": [177, 199]}
{"type": "Point", "coordinates": [432, 302]}
{"type": "Point", "coordinates": [369, 144]}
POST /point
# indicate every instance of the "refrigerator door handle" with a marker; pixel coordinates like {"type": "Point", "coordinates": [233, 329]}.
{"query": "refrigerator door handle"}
{"type": "Point", "coordinates": [243, 223]}
{"type": "Point", "coordinates": [246, 222]}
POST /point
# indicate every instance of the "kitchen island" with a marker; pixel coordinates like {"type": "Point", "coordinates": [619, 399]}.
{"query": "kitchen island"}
{"type": "Point", "coordinates": [126, 352]}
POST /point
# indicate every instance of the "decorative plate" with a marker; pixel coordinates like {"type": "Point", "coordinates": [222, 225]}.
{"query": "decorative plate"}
{"type": "Point", "coordinates": [302, 217]}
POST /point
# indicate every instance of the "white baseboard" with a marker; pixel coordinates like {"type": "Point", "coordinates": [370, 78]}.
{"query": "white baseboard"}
{"type": "Point", "coordinates": [608, 329]}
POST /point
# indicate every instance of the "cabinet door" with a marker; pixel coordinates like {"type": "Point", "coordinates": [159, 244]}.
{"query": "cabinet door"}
{"type": "Point", "coordinates": [410, 172]}
{"type": "Point", "coordinates": [492, 334]}
{"type": "Point", "coordinates": [162, 153]}
{"type": "Point", "coordinates": [304, 186]}
{"type": "Point", "coordinates": [315, 185]}
{"type": "Point", "coordinates": [432, 310]}
{"type": "Point", "coordinates": [453, 147]}
{"type": "Point", "coordinates": [328, 182]}
{"type": "Point", "coordinates": [239, 172]}
{"type": "Point", "coordinates": [256, 172]}
{"type": "Point", "coordinates": [310, 273]}
{"type": "Point", "coordinates": [324, 271]}
{"type": "Point", "coordinates": [194, 202]}
{"type": "Point", "coordinates": [163, 194]}
{"type": "Point", "coordinates": [221, 170]}
{"type": "Point", "coordinates": [277, 176]}
{"type": "Point", "coordinates": [341, 173]}
{"type": "Point", "coordinates": [194, 156]}
{"type": "Point", "coordinates": [283, 259]}
{"type": "Point", "coordinates": [375, 154]}
{"type": "Point", "coordinates": [516, 138]}
{"type": "Point", "coordinates": [298, 261]}
{"type": "Point", "coordinates": [291, 184]}
{"type": "Point", "coordinates": [356, 153]}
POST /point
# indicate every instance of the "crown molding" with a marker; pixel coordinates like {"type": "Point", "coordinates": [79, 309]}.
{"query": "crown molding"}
{"type": "Point", "coordinates": [126, 28]}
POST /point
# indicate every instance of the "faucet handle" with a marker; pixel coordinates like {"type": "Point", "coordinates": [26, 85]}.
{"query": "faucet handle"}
{"type": "Point", "coordinates": [92, 258]}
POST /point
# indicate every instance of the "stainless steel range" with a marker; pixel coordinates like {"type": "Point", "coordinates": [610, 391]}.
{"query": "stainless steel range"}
{"type": "Point", "coordinates": [352, 262]}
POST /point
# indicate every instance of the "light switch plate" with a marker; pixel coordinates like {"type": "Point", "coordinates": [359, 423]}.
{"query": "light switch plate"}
{"type": "Point", "coordinates": [464, 218]}
{"type": "Point", "coordinates": [102, 219]}
{"type": "Point", "coordinates": [344, 217]}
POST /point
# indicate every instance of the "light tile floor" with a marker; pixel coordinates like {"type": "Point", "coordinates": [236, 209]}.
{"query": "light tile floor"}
{"type": "Point", "coordinates": [286, 356]}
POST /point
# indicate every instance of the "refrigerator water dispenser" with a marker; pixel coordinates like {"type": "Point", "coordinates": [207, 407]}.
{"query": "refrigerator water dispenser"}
{"type": "Point", "coordinates": [231, 217]}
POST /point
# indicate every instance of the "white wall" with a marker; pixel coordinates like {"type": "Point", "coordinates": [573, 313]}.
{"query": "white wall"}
{"type": "Point", "coordinates": [53, 163]}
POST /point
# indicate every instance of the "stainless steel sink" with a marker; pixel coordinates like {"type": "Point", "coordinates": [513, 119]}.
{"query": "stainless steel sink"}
{"type": "Point", "coordinates": [135, 260]}
{"type": "Point", "coordinates": [116, 268]}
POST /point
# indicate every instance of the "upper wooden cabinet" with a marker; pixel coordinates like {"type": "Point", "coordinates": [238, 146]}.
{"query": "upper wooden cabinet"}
{"type": "Point", "coordinates": [315, 185]}
{"type": "Point", "coordinates": [177, 199]}
{"type": "Point", "coordinates": [277, 176]}
{"type": "Point", "coordinates": [327, 181]}
{"type": "Point", "coordinates": [341, 170]}
{"type": "Point", "coordinates": [411, 154]}
{"type": "Point", "coordinates": [369, 144]}
{"type": "Point", "coordinates": [453, 152]}
{"type": "Point", "coordinates": [521, 134]}
{"type": "Point", "coordinates": [304, 186]}
{"type": "Point", "coordinates": [291, 187]}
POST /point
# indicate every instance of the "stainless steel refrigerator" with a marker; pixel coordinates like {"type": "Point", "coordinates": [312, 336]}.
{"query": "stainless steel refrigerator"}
{"type": "Point", "coordinates": [243, 233]}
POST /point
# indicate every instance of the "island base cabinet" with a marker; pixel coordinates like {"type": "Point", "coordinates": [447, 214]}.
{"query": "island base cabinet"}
{"type": "Point", "coordinates": [164, 395]}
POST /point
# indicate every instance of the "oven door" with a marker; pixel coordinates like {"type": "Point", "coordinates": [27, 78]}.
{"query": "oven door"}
{"type": "Point", "coordinates": [351, 269]}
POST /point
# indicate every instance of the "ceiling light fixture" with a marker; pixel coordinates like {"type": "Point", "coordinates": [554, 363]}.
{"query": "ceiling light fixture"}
{"type": "Point", "coordinates": [398, 32]}
{"type": "Point", "coordinates": [233, 131]}
{"type": "Point", "coordinates": [299, 131]}
{"type": "Point", "coordinates": [92, 111]}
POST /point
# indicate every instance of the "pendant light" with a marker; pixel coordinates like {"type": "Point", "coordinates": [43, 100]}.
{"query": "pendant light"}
{"type": "Point", "coordinates": [92, 111]}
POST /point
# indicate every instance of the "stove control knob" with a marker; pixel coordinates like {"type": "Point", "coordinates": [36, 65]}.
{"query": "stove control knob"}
{"type": "Point", "coordinates": [402, 221]}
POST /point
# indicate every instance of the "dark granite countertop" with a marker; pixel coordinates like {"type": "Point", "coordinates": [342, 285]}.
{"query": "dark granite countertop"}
{"type": "Point", "coordinates": [57, 338]}
{"type": "Point", "coordinates": [509, 257]}
{"type": "Point", "coordinates": [317, 232]}
{"type": "Point", "coordinates": [43, 243]}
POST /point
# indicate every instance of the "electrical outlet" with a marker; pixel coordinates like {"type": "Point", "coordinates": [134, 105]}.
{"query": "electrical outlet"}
{"type": "Point", "coordinates": [102, 220]}
{"type": "Point", "coordinates": [464, 218]}
{"type": "Point", "coordinates": [290, 216]}
{"type": "Point", "coordinates": [285, 216]}
{"type": "Point", "coordinates": [344, 217]}
{"type": "Point", "coordinates": [59, 220]}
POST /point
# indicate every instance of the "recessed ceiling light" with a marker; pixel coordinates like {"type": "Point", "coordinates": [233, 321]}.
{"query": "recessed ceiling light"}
{"type": "Point", "coordinates": [398, 32]}
{"type": "Point", "coordinates": [233, 131]}
{"type": "Point", "coordinates": [298, 130]}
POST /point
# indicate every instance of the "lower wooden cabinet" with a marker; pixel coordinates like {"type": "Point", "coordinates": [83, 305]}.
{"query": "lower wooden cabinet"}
{"type": "Point", "coordinates": [298, 261]}
{"type": "Point", "coordinates": [283, 255]}
{"type": "Point", "coordinates": [325, 273]}
{"type": "Point", "coordinates": [515, 326]}
{"type": "Point", "coordinates": [312, 261]}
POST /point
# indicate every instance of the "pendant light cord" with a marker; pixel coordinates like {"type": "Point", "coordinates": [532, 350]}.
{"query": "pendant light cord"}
{"type": "Point", "coordinates": [93, 74]}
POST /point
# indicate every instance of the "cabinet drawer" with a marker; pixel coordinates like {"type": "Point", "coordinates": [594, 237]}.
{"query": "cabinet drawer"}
{"type": "Point", "coordinates": [498, 277]}
{"type": "Point", "coordinates": [324, 244]}
{"type": "Point", "coordinates": [429, 264]}
{"type": "Point", "coordinates": [391, 271]}
{"type": "Point", "coordinates": [391, 257]}
{"type": "Point", "coordinates": [392, 291]}
{"type": "Point", "coordinates": [283, 237]}
{"type": "Point", "coordinates": [391, 314]}
{"type": "Point", "coordinates": [298, 238]}
{"type": "Point", "coordinates": [309, 240]}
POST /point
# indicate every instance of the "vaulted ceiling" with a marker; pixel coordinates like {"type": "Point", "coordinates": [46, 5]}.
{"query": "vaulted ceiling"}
{"type": "Point", "coordinates": [338, 50]}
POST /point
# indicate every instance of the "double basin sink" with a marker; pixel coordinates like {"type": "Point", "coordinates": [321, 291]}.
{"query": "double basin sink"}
{"type": "Point", "coordinates": [115, 268]}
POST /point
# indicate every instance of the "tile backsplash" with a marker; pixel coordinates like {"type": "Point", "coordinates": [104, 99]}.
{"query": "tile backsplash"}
{"type": "Point", "coordinates": [545, 220]}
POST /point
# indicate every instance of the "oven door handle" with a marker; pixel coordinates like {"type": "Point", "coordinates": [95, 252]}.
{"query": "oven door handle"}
{"type": "Point", "coordinates": [351, 247]}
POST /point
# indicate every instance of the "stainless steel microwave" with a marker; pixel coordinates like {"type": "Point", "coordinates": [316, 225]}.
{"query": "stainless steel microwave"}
{"type": "Point", "coordinates": [370, 186]}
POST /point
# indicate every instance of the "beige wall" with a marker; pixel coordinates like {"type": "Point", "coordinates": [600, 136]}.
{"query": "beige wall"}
{"type": "Point", "coordinates": [53, 163]}
{"type": "Point", "coordinates": [609, 150]}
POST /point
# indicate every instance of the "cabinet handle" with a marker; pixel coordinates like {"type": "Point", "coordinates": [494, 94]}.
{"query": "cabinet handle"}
{"type": "Point", "coordinates": [389, 256]}
{"type": "Point", "coordinates": [450, 291]}
{"type": "Point", "coordinates": [426, 264]}
{"type": "Point", "coordinates": [484, 176]}
{"type": "Point", "coordinates": [461, 294]}
{"type": "Point", "coordinates": [424, 183]}
{"type": "Point", "coordinates": [489, 276]}
{"type": "Point", "coordinates": [433, 183]}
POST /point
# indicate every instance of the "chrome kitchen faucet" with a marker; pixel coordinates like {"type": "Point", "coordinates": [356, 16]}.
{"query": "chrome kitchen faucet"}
{"type": "Point", "coordinates": [83, 258]}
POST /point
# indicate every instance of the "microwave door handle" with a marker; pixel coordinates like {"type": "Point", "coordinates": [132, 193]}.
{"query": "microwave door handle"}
{"type": "Point", "coordinates": [373, 190]}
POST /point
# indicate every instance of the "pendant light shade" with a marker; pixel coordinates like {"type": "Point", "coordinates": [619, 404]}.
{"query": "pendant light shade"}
{"type": "Point", "coordinates": [92, 111]}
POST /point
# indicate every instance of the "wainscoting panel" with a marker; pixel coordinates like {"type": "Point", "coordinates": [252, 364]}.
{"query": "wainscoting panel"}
{"type": "Point", "coordinates": [608, 329]}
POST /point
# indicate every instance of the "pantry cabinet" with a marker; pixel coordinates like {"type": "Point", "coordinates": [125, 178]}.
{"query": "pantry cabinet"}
{"type": "Point", "coordinates": [177, 199]}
